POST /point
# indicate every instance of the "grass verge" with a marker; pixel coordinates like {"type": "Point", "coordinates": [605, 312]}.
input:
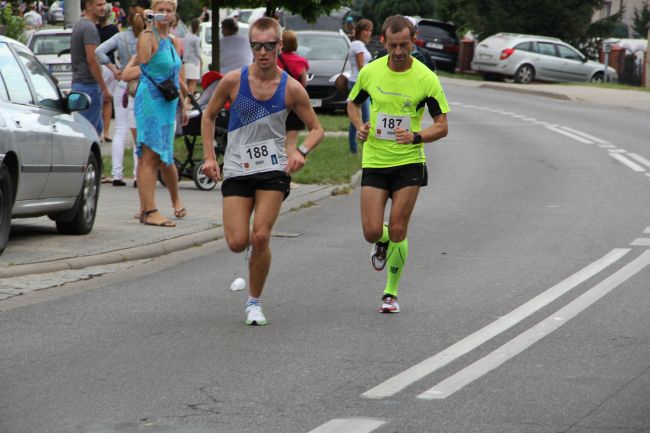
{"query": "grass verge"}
{"type": "Point", "coordinates": [331, 163]}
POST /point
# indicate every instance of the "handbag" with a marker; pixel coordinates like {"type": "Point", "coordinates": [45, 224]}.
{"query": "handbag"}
{"type": "Point", "coordinates": [341, 82]}
{"type": "Point", "coordinates": [166, 87]}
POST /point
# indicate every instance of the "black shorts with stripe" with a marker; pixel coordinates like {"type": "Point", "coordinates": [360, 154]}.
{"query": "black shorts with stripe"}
{"type": "Point", "coordinates": [395, 178]}
{"type": "Point", "coordinates": [245, 186]}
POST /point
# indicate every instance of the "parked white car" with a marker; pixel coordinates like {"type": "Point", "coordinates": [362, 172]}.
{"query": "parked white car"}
{"type": "Point", "coordinates": [50, 161]}
{"type": "Point", "coordinates": [52, 48]}
{"type": "Point", "coordinates": [527, 57]}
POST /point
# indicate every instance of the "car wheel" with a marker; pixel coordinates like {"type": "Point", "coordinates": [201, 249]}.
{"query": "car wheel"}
{"type": "Point", "coordinates": [597, 77]}
{"type": "Point", "coordinates": [201, 180]}
{"type": "Point", "coordinates": [6, 199]}
{"type": "Point", "coordinates": [524, 74]}
{"type": "Point", "coordinates": [85, 209]}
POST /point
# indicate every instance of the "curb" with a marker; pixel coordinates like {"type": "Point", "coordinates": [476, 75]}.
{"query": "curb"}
{"type": "Point", "coordinates": [553, 95]}
{"type": "Point", "coordinates": [160, 248]}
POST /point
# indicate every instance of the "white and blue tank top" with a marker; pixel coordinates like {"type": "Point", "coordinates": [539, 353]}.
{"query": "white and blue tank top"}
{"type": "Point", "coordinates": [256, 131]}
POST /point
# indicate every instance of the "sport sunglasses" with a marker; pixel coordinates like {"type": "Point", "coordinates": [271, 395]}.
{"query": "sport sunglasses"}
{"type": "Point", "coordinates": [268, 46]}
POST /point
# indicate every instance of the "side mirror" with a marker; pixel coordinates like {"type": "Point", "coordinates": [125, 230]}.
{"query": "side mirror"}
{"type": "Point", "coordinates": [76, 101]}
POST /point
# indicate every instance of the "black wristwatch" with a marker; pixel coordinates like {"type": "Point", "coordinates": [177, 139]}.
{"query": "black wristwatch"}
{"type": "Point", "coordinates": [417, 138]}
{"type": "Point", "coordinates": [303, 150]}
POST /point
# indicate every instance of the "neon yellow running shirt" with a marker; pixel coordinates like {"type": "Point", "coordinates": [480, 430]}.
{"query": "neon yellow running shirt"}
{"type": "Point", "coordinates": [397, 98]}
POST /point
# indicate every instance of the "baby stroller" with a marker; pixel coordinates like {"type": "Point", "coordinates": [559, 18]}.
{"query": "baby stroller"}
{"type": "Point", "coordinates": [193, 168]}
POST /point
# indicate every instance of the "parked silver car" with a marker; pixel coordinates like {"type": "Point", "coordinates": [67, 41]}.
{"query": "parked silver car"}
{"type": "Point", "coordinates": [526, 58]}
{"type": "Point", "coordinates": [50, 161]}
{"type": "Point", "coordinates": [52, 48]}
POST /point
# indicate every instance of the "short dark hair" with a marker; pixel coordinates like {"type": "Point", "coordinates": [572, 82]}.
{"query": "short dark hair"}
{"type": "Point", "coordinates": [266, 23]}
{"type": "Point", "coordinates": [396, 24]}
{"type": "Point", "coordinates": [229, 25]}
{"type": "Point", "coordinates": [195, 24]}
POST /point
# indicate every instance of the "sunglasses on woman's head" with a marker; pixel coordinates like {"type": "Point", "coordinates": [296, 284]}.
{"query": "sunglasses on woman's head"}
{"type": "Point", "coordinates": [268, 46]}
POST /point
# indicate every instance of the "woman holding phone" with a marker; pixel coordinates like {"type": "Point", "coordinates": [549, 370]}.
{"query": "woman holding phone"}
{"type": "Point", "coordinates": [155, 114]}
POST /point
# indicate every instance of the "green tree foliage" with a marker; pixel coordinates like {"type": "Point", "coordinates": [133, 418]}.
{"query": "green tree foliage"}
{"type": "Point", "coordinates": [641, 20]}
{"type": "Point", "coordinates": [13, 24]}
{"type": "Point", "coordinates": [378, 10]}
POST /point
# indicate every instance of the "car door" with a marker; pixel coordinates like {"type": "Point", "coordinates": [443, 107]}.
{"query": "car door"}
{"type": "Point", "coordinates": [550, 65]}
{"type": "Point", "coordinates": [31, 130]}
{"type": "Point", "coordinates": [69, 145]}
{"type": "Point", "coordinates": [573, 64]}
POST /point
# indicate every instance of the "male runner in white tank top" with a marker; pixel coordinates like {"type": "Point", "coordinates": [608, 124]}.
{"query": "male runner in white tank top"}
{"type": "Point", "coordinates": [257, 166]}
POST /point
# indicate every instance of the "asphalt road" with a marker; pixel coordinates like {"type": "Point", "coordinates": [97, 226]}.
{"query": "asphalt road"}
{"type": "Point", "coordinates": [524, 305]}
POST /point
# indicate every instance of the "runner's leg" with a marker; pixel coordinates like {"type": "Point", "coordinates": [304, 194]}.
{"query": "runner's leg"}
{"type": "Point", "coordinates": [373, 205]}
{"type": "Point", "coordinates": [267, 209]}
{"type": "Point", "coordinates": [400, 213]}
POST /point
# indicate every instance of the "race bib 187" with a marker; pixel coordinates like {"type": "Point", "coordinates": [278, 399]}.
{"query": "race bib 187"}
{"type": "Point", "coordinates": [386, 124]}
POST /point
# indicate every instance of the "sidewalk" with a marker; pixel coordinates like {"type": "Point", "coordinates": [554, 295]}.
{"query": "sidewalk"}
{"type": "Point", "coordinates": [630, 99]}
{"type": "Point", "coordinates": [36, 247]}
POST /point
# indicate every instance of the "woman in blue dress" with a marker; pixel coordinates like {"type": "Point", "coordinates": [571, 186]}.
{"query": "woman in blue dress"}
{"type": "Point", "coordinates": [155, 116]}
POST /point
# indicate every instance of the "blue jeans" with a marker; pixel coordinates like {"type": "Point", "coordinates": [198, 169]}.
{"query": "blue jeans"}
{"type": "Point", "coordinates": [94, 112]}
{"type": "Point", "coordinates": [365, 116]}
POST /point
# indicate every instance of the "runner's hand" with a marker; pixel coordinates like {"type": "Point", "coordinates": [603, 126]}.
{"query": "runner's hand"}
{"type": "Point", "coordinates": [211, 169]}
{"type": "Point", "coordinates": [295, 162]}
{"type": "Point", "coordinates": [402, 136]}
{"type": "Point", "coordinates": [362, 133]}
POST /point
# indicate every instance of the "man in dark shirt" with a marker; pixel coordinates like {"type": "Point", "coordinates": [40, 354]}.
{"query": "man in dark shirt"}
{"type": "Point", "coordinates": [86, 73]}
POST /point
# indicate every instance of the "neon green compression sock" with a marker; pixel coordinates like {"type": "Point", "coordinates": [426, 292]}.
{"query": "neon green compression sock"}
{"type": "Point", "coordinates": [396, 259]}
{"type": "Point", "coordinates": [384, 235]}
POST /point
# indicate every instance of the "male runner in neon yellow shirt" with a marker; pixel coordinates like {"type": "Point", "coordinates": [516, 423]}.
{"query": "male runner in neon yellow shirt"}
{"type": "Point", "coordinates": [399, 87]}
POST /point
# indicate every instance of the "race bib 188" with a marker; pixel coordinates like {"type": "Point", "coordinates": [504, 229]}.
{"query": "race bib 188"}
{"type": "Point", "coordinates": [259, 156]}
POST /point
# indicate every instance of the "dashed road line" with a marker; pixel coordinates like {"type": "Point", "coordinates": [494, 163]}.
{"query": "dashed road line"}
{"type": "Point", "coordinates": [626, 162]}
{"type": "Point", "coordinates": [526, 339]}
{"type": "Point", "coordinates": [585, 135]}
{"type": "Point", "coordinates": [406, 378]}
{"type": "Point", "coordinates": [641, 242]}
{"type": "Point", "coordinates": [349, 425]}
{"type": "Point", "coordinates": [569, 134]}
{"type": "Point", "coordinates": [640, 159]}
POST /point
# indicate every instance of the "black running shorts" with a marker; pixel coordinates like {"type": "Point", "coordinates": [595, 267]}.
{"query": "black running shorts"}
{"type": "Point", "coordinates": [293, 122]}
{"type": "Point", "coordinates": [395, 178]}
{"type": "Point", "coordinates": [245, 186]}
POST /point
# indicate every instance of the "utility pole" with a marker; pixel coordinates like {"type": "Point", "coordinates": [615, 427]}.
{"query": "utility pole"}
{"type": "Point", "coordinates": [71, 13]}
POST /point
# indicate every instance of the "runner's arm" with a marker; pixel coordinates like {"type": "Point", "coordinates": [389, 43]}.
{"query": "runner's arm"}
{"type": "Point", "coordinates": [434, 132]}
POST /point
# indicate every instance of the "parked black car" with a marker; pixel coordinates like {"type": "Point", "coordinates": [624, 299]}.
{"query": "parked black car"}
{"type": "Point", "coordinates": [441, 41]}
{"type": "Point", "coordinates": [326, 53]}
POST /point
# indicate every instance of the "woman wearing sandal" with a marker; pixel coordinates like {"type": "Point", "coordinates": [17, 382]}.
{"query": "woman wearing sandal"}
{"type": "Point", "coordinates": [158, 55]}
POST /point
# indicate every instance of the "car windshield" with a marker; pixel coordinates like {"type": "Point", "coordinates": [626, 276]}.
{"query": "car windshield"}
{"type": "Point", "coordinates": [50, 44]}
{"type": "Point", "coordinates": [429, 31]}
{"type": "Point", "coordinates": [320, 47]}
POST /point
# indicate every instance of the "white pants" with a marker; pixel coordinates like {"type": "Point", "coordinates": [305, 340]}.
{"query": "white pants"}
{"type": "Point", "coordinates": [124, 122]}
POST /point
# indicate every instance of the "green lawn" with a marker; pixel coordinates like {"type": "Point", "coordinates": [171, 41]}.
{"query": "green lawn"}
{"type": "Point", "coordinates": [331, 162]}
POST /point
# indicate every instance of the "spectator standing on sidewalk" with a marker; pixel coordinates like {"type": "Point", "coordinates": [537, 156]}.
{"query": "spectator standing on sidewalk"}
{"type": "Point", "coordinates": [394, 164]}
{"type": "Point", "coordinates": [86, 73]}
{"type": "Point", "coordinates": [111, 76]}
{"type": "Point", "coordinates": [192, 56]}
{"type": "Point", "coordinates": [160, 61]}
{"type": "Point", "coordinates": [235, 48]}
{"type": "Point", "coordinates": [358, 57]}
{"type": "Point", "coordinates": [32, 19]}
{"type": "Point", "coordinates": [297, 67]}
{"type": "Point", "coordinates": [125, 44]}
{"type": "Point", "coordinates": [257, 169]}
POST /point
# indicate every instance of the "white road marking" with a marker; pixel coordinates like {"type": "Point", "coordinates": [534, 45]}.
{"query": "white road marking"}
{"type": "Point", "coordinates": [529, 119]}
{"type": "Point", "coordinates": [606, 146]}
{"type": "Point", "coordinates": [526, 339]}
{"type": "Point", "coordinates": [616, 150]}
{"type": "Point", "coordinates": [647, 230]}
{"type": "Point", "coordinates": [640, 159]}
{"type": "Point", "coordinates": [569, 134]}
{"type": "Point", "coordinates": [397, 383]}
{"type": "Point", "coordinates": [349, 425]}
{"type": "Point", "coordinates": [647, 174]}
{"type": "Point", "coordinates": [626, 162]}
{"type": "Point", "coordinates": [641, 242]}
{"type": "Point", "coordinates": [585, 135]}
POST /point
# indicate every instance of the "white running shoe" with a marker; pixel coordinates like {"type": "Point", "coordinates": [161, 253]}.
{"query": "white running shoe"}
{"type": "Point", "coordinates": [254, 315]}
{"type": "Point", "coordinates": [378, 255]}
{"type": "Point", "coordinates": [389, 304]}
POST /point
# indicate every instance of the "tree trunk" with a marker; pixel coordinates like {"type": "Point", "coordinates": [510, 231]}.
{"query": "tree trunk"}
{"type": "Point", "coordinates": [216, 4]}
